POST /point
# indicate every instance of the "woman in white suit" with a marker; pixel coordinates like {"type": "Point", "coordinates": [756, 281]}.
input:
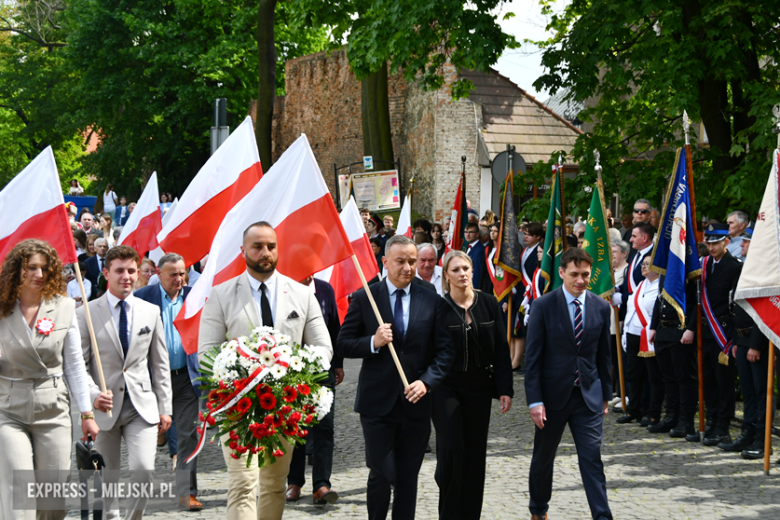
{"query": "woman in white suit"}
{"type": "Point", "coordinates": [39, 343]}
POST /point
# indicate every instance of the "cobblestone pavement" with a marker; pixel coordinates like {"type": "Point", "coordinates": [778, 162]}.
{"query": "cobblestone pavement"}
{"type": "Point", "coordinates": [648, 476]}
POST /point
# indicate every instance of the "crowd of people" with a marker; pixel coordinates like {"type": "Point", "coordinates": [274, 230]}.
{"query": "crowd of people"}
{"type": "Point", "coordinates": [458, 344]}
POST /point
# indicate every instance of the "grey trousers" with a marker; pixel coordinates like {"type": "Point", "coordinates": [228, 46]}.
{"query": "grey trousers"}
{"type": "Point", "coordinates": [185, 413]}
{"type": "Point", "coordinates": [35, 434]}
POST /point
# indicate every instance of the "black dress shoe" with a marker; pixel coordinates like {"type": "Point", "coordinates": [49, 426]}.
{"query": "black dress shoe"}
{"type": "Point", "coordinates": [625, 419]}
{"type": "Point", "coordinates": [662, 427]}
{"type": "Point", "coordinates": [718, 437]}
{"type": "Point", "coordinates": [646, 421]}
{"type": "Point", "coordinates": [682, 429]}
{"type": "Point", "coordinates": [693, 437]}
{"type": "Point", "coordinates": [709, 427]}
{"type": "Point", "coordinates": [755, 451]}
{"type": "Point", "coordinates": [743, 442]}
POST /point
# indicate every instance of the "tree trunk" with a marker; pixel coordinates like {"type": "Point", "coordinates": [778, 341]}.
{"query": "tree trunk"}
{"type": "Point", "coordinates": [267, 80]}
{"type": "Point", "coordinates": [375, 109]}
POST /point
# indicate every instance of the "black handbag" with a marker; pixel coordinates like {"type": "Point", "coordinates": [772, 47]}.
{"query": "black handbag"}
{"type": "Point", "coordinates": [475, 339]}
{"type": "Point", "coordinates": [87, 457]}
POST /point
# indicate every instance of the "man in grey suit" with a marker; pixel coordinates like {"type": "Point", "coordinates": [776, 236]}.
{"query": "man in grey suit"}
{"type": "Point", "coordinates": [131, 342]}
{"type": "Point", "coordinates": [261, 296]}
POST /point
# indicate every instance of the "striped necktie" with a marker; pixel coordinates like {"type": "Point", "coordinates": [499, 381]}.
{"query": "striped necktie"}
{"type": "Point", "coordinates": [578, 330]}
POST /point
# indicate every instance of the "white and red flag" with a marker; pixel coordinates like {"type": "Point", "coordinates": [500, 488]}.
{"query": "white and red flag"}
{"type": "Point", "coordinates": [224, 180]}
{"type": "Point", "coordinates": [295, 200]}
{"type": "Point", "coordinates": [758, 290]}
{"type": "Point", "coordinates": [405, 219]}
{"type": "Point", "coordinates": [33, 207]}
{"type": "Point", "coordinates": [140, 231]}
{"type": "Point", "coordinates": [156, 254]}
{"type": "Point", "coordinates": [344, 276]}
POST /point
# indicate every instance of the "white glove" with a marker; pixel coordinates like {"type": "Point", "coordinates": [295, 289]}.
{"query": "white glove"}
{"type": "Point", "coordinates": [524, 304]}
{"type": "Point", "coordinates": [617, 299]}
{"type": "Point", "coordinates": [526, 318]}
{"type": "Point", "coordinates": [623, 341]}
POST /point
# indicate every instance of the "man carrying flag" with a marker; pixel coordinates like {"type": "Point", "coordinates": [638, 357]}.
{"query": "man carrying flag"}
{"type": "Point", "coordinates": [554, 244]}
{"type": "Point", "coordinates": [673, 323]}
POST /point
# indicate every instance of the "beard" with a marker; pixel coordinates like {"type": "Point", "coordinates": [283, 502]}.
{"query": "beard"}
{"type": "Point", "coordinates": [261, 269]}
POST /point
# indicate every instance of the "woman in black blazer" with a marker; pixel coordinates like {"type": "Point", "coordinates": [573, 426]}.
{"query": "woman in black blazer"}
{"type": "Point", "coordinates": [461, 404]}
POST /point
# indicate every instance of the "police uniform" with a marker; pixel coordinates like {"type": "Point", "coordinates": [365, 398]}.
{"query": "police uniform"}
{"type": "Point", "coordinates": [719, 370]}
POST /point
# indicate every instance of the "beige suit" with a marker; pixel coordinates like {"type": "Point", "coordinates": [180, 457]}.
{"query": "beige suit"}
{"type": "Point", "coordinates": [35, 426]}
{"type": "Point", "coordinates": [231, 312]}
{"type": "Point", "coordinates": [139, 400]}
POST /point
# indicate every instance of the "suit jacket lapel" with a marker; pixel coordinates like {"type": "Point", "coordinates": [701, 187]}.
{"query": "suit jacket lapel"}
{"type": "Point", "coordinates": [383, 303]}
{"type": "Point", "coordinates": [138, 321]}
{"type": "Point", "coordinates": [43, 312]}
{"type": "Point", "coordinates": [590, 315]}
{"type": "Point", "coordinates": [281, 302]}
{"type": "Point", "coordinates": [17, 327]}
{"type": "Point", "coordinates": [245, 295]}
{"type": "Point", "coordinates": [563, 310]}
{"type": "Point", "coordinates": [103, 312]}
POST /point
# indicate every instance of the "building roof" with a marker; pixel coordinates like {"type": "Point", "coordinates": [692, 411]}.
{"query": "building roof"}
{"type": "Point", "coordinates": [512, 116]}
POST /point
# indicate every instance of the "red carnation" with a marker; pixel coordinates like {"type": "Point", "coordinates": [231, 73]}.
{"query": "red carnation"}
{"type": "Point", "coordinates": [235, 456]}
{"type": "Point", "coordinates": [303, 433]}
{"type": "Point", "coordinates": [304, 389]}
{"type": "Point", "coordinates": [253, 427]}
{"type": "Point", "coordinates": [263, 389]}
{"type": "Point", "coordinates": [285, 409]}
{"type": "Point", "coordinates": [199, 430]}
{"type": "Point", "coordinates": [200, 417]}
{"type": "Point", "coordinates": [244, 405]}
{"type": "Point", "coordinates": [295, 416]}
{"type": "Point", "coordinates": [289, 394]}
{"type": "Point", "coordinates": [241, 449]}
{"type": "Point", "coordinates": [213, 395]}
{"type": "Point", "coordinates": [267, 401]}
{"type": "Point", "coordinates": [210, 406]}
{"type": "Point", "coordinates": [232, 445]}
{"type": "Point", "coordinates": [211, 421]}
{"type": "Point", "coordinates": [308, 419]}
{"type": "Point", "coordinates": [278, 453]}
{"type": "Point", "coordinates": [233, 435]}
{"type": "Point", "coordinates": [278, 420]}
{"type": "Point", "coordinates": [222, 385]}
{"type": "Point", "coordinates": [269, 420]}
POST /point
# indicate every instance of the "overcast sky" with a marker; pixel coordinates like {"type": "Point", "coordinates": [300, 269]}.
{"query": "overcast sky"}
{"type": "Point", "coordinates": [523, 65]}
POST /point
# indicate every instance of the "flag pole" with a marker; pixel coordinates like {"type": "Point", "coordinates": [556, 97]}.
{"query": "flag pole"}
{"type": "Point", "coordinates": [92, 338]}
{"type": "Point", "coordinates": [380, 320]}
{"type": "Point", "coordinates": [510, 152]}
{"type": "Point", "coordinates": [697, 233]}
{"type": "Point", "coordinates": [769, 391]}
{"type": "Point", "coordinates": [565, 243]}
{"type": "Point", "coordinates": [621, 373]}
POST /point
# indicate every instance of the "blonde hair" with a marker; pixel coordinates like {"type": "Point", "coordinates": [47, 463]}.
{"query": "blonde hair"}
{"type": "Point", "coordinates": [445, 264]}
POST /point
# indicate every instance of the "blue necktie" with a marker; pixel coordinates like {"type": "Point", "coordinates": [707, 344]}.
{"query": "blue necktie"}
{"type": "Point", "coordinates": [123, 326]}
{"type": "Point", "coordinates": [578, 330]}
{"type": "Point", "coordinates": [398, 314]}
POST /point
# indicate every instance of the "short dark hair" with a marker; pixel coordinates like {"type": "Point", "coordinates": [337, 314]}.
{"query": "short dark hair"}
{"type": "Point", "coordinates": [423, 223]}
{"type": "Point", "coordinates": [261, 223]}
{"type": "Point", "coordinates": [473, 225]}
{"type": "Point", "coordinates": [376, 240]}
{"type": "Point", "coordinates": [535, 229]}
{"type": "Point", "coordinates": [121, 253]}
{"type": "Point", "coordinates": [646, 228]}
{"type": "Point", "coordinates": [576, 255]}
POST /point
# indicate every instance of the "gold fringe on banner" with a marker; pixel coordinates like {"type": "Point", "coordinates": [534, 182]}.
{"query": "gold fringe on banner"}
{"type": "Point", "coordinates": [723, 359]}
{"type": "Point", "coordinates": [649, 353]}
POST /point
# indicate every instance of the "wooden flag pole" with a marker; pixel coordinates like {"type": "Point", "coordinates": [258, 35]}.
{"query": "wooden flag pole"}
{"type": "Point", "coordinates": [509, 320]}
{"type": "Point", "coordinates": [92, 338]}
{"type": "Point", "coordinates": [769, 391]}
{"type": "Point", "coordinates": [379, 319]}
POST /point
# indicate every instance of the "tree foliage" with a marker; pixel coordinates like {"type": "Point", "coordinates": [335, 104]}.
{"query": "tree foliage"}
{"type": "Point", "coordinates": [638, 65]}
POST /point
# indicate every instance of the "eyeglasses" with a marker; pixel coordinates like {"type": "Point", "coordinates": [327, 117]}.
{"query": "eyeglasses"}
{"type": "Point", "coordinates": [645, 266]}
{"type": "Point", "coordinates": [641, 211]}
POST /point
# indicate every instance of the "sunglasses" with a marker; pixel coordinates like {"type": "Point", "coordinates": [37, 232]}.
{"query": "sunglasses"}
{"type": "Point", "coordinates": [641, 211]}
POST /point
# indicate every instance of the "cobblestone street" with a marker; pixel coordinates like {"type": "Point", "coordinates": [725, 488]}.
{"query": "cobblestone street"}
{"type": "Point", "coordinates": [648, 476]}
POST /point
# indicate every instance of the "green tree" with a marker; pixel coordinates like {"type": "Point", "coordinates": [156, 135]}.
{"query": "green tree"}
{"type": "Point", "coordinates": [638, 65]}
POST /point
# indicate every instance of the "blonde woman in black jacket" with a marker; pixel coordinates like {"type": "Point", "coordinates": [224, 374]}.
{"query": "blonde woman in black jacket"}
{"type": "Point", "coordinates": [481, 370]}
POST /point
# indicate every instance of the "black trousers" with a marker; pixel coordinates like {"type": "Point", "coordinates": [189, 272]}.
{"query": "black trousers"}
{"type": "Point", "coordinates": [320, 439]}
{"type": "Point", "coordinates": [636, 375]}
{"type": "Point", "coordinates": [657, 388]}
{"type": "Point", "coordinates": [395, 448]}
{"type": "Point", "coordinates": [680, 361]}
{"type": "Point", "coordinates": [719, 391]}
{"type": "Point", "coordinates": [461, 416]}
{"type": "Point", "coordinates": [586, 428]}
{"type": "Point", "coordinates": [752, 382]}
{"type": "Point", "coordinates": [185, 413]}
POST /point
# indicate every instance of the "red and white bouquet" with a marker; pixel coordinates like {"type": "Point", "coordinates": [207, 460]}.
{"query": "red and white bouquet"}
{"type": "Point", "coordinates": [262, 389]}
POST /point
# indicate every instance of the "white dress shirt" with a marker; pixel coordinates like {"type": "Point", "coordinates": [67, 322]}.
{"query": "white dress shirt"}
{"type": "Point", "coordinates": [647, 300]}
{"type": "Point", "coordinates": [435, 279]}
{"type": "Point", "coordinates": [113, 303]}
{"type": "Point", "coordinates": [270, 293]}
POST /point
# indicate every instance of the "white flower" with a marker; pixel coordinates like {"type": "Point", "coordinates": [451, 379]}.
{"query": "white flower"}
{"type": "Point", "coordinates": [267, 359]}
{"type": "Point", "coordinates": [284, 350]}
{"type": "Point", "coordinates": [296, 363]}
{"type": "Point", "coordinates": [278, 371]}
{"type": "Point", "coordinates": [323, 401]}
{"type": "Point", "coordinates": [232, 344]}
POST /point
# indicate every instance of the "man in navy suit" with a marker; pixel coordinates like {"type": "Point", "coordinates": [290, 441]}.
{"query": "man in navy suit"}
{"type": "Point", "coordinates": [396, 420]}
{"type": "Point", "coordinates": [96, 264]}
{"type": "Point", "coordinates": [476, 251]}
{"type": "Point", "coordinates": [567, 380]}
{"type": "Point", "coordinates": [169, 295]}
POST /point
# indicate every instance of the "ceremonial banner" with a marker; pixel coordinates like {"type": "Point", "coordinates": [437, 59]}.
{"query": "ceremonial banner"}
{"type": "Point", "coordinates": [33, 207]}
{"type": "Point", "coordinates": [553, 238]}
{"type": "Point", "coordinates": [758, 290]}
{"type": "Point", "coordinates": [225, 179]}
{"type": "Point", "coordinates": [158, 253]}
{"type": "Point", "coordinates": [596, 244]}
{"type": "Point", "coordinates": [343, 276]}
{"type": "Point", "coordinates": [459, 219]}
{"type": "Point", "coordinates": [405, 218]}
{"type": "Point", "coordinates": [508, 254]}
{"type": "Point", "coordinates": [674, 253]}
{"type": "Point", "coordinates": [140, 231]}
{"type": "Point", "coordinates": [294, 199]}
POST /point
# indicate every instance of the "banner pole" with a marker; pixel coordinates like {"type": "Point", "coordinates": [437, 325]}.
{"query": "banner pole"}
{"type": "Point", "coordinates": [509, 320]}
{"type": "Point", "coordinates": [769, 391]}
{"type": "Point", "coordinates": [620, 361]}
{"type": "Point", "coordinates": [700, 360]}
{"type": "Point", "coordinates": [379, 319]}
{"type": "Point", "coordinates": [91, 331]}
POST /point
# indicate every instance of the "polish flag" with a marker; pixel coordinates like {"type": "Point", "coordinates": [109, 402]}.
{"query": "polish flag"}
{"type": "Point", "coordinates": [140, 231]}
{"type": "Point", "coordinates": [295, 200]}
{"type": "Point", "coordinates": [224, 180]}
{"type": "Point", "coordinates": [344, 276]}
{"type": "Point", "coordinates": [405, 220]}
{"type": "Point", "coordinates": [33, 207]}
{"type": "Point", "coordinates": [156, 254]}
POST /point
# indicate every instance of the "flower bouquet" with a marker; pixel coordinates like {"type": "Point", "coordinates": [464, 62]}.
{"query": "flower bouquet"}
{"type": "Point", "coordinates": [263, 389]}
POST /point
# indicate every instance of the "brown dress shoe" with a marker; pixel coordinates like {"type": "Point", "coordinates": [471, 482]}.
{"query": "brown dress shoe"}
{"type": "Point", "coordinates": [539, 517]}
{"type": "Point", "coordinates": [293, 493]}
{"type": "Point", "coordinates": [190, 503]}
{"type": "Point", "coordinates": [162, 440]}
{"type": "Point", "coordinates": [324, 496]}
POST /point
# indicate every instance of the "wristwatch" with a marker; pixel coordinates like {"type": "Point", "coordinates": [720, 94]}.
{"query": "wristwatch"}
{"type": "Point", "coordinates": [88, 415]}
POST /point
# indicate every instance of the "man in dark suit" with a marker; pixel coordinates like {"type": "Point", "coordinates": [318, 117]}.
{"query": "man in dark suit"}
{"type": "Point", "coordinates": [475, 250]}
{"type": "Point", "coordinates": [169, 295]}
{"type": "Point", "coordinates": [567, 380]}
{"type": "Point", "coordinates": [396, 421]}
{"type": "Point", "coordinates": [96, 264]}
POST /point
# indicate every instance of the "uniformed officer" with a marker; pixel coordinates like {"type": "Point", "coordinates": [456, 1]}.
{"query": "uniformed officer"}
{"type": "Point", "coordinates": [750, 351]}
{"type": "Point", "coordinates": [720, 271]}
{"type": "Point", "coordinates": [675, 352]}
